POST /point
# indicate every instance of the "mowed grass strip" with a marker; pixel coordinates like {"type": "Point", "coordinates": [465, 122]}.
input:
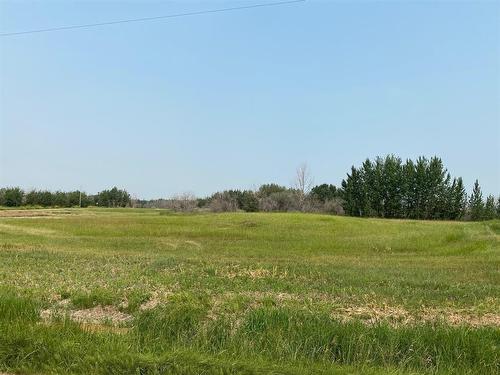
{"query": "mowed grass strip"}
{"type": "Point", "coordinates": [148, 291]}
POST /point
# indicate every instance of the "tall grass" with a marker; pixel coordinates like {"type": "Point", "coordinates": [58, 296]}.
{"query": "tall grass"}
{"type": "Point", "coordinates": [163, 339]}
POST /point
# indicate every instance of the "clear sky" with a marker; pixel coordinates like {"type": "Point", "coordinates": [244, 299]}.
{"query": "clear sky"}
{"type": "Point", "coordinates": [236, 99]}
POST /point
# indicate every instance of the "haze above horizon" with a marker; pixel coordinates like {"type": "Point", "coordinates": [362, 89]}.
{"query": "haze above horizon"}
{"type": "Point", "coordinates": [238, 99]}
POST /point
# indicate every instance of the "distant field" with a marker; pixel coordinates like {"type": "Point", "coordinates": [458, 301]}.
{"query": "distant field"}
{"type": "Point", "coordinates": [130, 291]}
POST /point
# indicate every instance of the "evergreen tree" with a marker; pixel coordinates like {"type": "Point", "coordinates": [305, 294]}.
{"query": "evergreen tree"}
{"type": "Point", "coordinates": [421, 187]}
{"type": "Point", "coordinates": [409, 189]}
{"type": "Point", "coordinates": [489, 208]}
{"type": "Point", "coordinates": [498, 207]}
{"type": "Point", "coordinates": [376, 187]}
{"type": "Point", "coordinates": [392, 182]}
{"type": "Point", "coordinates": [436, 185]}
{"type": "Point", "coordinates": [457, 200]}
{"type": "Point", "coordinates": [476, 206]}
{"type": "Point", "coordinates": [370, 189]}
{"type": "Point", "coordinates": [113, 198]}
{"type": "Point", "coordinates": [353, 193]}
{"type": "Point", "coordinates": [388, 188]}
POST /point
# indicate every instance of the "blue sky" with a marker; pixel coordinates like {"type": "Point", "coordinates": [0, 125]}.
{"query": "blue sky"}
{"type": "Point", "coordinates": [237, 99]}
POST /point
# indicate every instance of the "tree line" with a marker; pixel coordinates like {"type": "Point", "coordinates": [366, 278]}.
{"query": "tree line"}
{"type": "Point", "coordinates": [421, 189]}
{"type": "Point", "coordinates": [16, 197]}
{"type": "Point", "coordinates": [384, 187]}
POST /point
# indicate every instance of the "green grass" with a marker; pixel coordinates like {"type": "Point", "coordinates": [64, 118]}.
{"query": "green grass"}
{"type": "Point", "coordinates": [246, 294]}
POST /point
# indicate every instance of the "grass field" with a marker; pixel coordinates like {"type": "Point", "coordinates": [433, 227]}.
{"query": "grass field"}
{"type": "Point", "coordinates": [147, 292]}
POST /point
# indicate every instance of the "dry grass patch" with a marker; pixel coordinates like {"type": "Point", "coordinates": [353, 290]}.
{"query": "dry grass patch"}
{"type": "Point", "coordinates": [37, 213]}
{"type": "Point", "coordinates": [396, 315]}
{"type": "Point", "coordinates": [465, 318]}
{"type": "Point", "coordinates": [369, 314]}
{"type": "Point", "coordinates": [151, 303]}
{"type": "Point", "coordinates": [97, 315]}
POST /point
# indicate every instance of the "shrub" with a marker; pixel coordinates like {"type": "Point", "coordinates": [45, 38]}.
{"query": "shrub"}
{"type": "Point", "coordinates": [330, 206]}
{"type": "Point", "coordinates": [223, 202]}
{"type": "Point", "coordinates": [288, 200]}
{"type": "Point", "coordinates": [182, 203]}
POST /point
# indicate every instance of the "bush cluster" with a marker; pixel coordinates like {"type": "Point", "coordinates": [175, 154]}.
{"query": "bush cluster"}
{"type": "Point", "coordinates": [276, 198]}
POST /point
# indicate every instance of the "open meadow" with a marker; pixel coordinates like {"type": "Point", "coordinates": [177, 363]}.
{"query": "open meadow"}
{"type": "Point", "coordinates": [138, 291]}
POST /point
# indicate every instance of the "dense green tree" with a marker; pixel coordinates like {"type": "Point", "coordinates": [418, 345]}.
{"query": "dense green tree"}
{"type": "Point", "coordinates": [113, 198]}
{"type": "Point", "coordinates": [437, 181]}
{"type": "Point", "coordinates": [60, 199]}
{"type": "Point", "coordinates": [324, 192]}
{"type": "Point", "coordinates": [408, 188]}
{"type": "Point", "coordinates": [45, 198]}
{"type": "Point", "coordinates": [248, 202]}
{"type": "Point", "coordinates": [353, 192]}
{"type": "Point", "coordinates": [420, 190]}
{"type": "Point", "coordinates": [392, 187]}
{"type": "Point", "coordinates": [489, 208]}
{"type": "Point", "coordinates": [31, 198]}
{"type": "Point", "coordinates": [457, 200]}
{"type": "Point", "coordinates": [372, 200]}
{"type": "Point", "coordinates": [73, 199]}
{"type": "Point", "coordinates": [388, 188]}
{"type": "Point", "coordinates": [11, 197]}
{"type": "Point", "coordinates": [476, 205]}
{"type": "Point", "coordinates": [267, 189]}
